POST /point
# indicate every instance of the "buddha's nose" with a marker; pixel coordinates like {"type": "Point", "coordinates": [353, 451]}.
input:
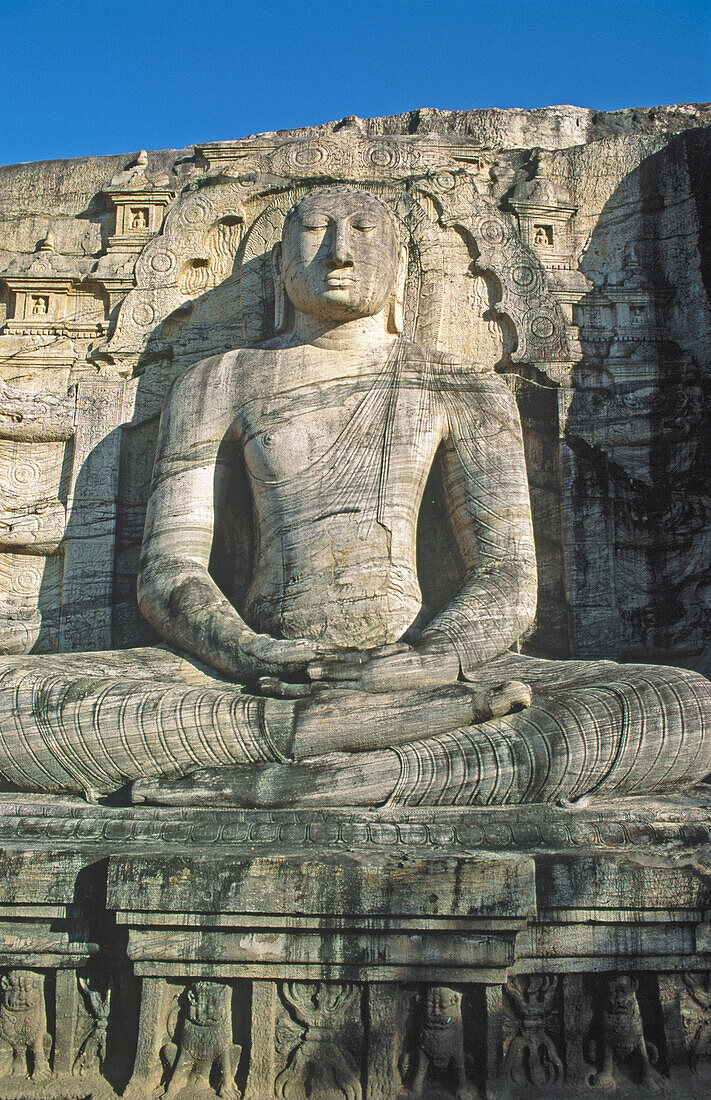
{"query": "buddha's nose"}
{"type": "Point", "coordinates": [340, 251]}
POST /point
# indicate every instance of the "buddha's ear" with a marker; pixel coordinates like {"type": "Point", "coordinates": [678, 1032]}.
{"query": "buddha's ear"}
{"type": "Point", "coordinates": [397, 303]}
{"type": "Point", "coordinates": [280, 310]}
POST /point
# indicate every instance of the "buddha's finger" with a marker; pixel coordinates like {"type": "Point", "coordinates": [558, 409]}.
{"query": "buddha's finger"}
{"type": "Point", "coordinates": [293, 649]}
{"type": "Point", "coordinates": [334, 671]}
{"type": "Point", "coordinates": [406, 672]}
{"type": "Point", "coordinates": [389, 650]}
{"type": "Point", "coordinates": [343, 655]}
{"type": "Point", "coordinates": [273, 655]}
{"type": "Point", "coordinates": [282, 689]}
{"type": "Point", "coordinates": [291, 656]}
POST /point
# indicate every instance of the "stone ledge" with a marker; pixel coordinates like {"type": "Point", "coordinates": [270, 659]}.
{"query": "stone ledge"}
{"type": "Point", "coordinates": [335, 935]}
{"type": "Point", "coordinates": [682, 820]}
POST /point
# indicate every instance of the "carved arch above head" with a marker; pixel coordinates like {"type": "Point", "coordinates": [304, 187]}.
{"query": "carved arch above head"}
{"type": "Point", "coordinates": [228, 229]}
{"type": "Point", "coordinates": [194, 253]}
{"type": "Point", "coordinates": [525, 299]}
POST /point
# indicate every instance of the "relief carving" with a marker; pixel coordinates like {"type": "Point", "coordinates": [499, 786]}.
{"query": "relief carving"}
{"type": "Point", "coordinates": [319, 1065]}
{"type": "Point", "coordinates": [92, 1047]}
{"type": "Point", "coordinates": [202, 1044]}
{"type": "Point", "coordinates": [398, 687]}
{"type": "Point", "coordinates": [25, 1043]}
{"type": "Point", "coordinates": [621, 1052]}
{"type": "Point", "coordinates": [532, 1057]}
{"type": "Point", "coordinates": [696, 1016]}
{"type": "Point", "coordinates": [409, 714]}
{"type": "Point", "coordinates": [437, 1068]}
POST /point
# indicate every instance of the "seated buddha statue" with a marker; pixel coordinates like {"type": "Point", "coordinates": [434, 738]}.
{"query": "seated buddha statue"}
{"type": "Point", "coordinates": [326, 680]}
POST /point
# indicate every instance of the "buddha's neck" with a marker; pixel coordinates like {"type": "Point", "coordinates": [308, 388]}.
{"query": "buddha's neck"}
{"type": "Point", "coordinates": [360, 334]}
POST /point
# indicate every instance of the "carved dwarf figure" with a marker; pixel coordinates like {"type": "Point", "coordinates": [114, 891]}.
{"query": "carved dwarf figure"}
{"type": "Point", "coordinates": [204, 1042]}
{"type": "Point", "coordinates": [623, 1046]}
{"type": "Point", "coordinates": [24, 1041]}
{"type": "Point", "coordinates": [330, 679]}
{"type": "Point", "coordinates": [441, 1047]}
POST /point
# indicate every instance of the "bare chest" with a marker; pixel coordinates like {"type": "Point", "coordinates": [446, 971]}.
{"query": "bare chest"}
{"type": "Point", "coordinates": [286, 436]}
{"type": "Point", "coordinates": [337, 429]}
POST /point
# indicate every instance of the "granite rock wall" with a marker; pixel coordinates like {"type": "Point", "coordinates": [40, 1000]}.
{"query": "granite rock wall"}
{"type": "Point", "coordinates": [569, 247]}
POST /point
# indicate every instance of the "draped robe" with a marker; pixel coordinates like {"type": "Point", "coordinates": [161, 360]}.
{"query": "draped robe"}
{"type": "Point", "coordinates": [93, 722]}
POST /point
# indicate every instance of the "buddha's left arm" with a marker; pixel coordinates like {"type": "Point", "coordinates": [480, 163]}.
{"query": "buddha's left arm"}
{"type": "Point", "coordinates": [486, 489]}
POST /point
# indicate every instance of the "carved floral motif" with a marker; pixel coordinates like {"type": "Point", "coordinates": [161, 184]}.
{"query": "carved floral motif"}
{"type": "Point", "coordinates": [319, 1066]}
{"type": "Point", "coordinates": [532, 1056]}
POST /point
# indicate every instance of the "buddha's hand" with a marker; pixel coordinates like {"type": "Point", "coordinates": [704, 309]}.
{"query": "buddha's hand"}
{"type": "Point", "coordinates": [260, 655]}
{"type": "Point", "coordinates": [432, 662]}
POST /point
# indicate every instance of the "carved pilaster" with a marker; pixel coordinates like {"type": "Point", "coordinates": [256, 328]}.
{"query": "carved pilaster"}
{"type": "Point", "coordinates": [147, 1066]}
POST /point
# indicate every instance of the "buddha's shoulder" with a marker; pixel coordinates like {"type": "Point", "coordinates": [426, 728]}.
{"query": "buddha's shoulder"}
{"type": "Point", "coordinates": [469, 392]}
{"type": "Point", "coordinates": [221, 370]}
{"type": "Point", "coordinates": [450, 370]}
{"type": "Point", "coordinates": [239, 361]}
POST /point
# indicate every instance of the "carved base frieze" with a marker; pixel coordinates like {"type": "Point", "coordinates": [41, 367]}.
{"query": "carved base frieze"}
{"type": "Point", "coordinates": [375, 1041]}
{"type": "Point", "coordinates": [227, 957]}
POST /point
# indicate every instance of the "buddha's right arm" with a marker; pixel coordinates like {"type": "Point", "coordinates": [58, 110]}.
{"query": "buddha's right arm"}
{"type": "Point", "coordinates": [176, 593]}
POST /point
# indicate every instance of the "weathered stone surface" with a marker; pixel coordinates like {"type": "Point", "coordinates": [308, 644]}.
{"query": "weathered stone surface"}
{"type": "Point", "coordinates": [405, 951]}
{"type": "Point", "coordinates": [286, 955]}
{"type": "Point", "coordinates": [620, 172]}
{"type": "Point", "coordinates": [328, 607]}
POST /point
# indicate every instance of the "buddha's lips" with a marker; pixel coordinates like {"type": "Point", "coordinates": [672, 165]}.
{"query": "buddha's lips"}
{"type": "Point", "coordinates": [333, 282]}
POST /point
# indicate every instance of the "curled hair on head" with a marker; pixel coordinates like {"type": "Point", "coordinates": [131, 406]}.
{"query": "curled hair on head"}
{"type": "Point", "coordinates": [342, 189]}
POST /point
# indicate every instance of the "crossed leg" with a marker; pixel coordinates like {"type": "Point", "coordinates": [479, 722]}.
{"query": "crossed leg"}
{"type": "Point", "coordinates": [593, 728]}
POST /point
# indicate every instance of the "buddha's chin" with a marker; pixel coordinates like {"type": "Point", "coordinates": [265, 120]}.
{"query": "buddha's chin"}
{"type": "Point", "coordinates": [345, 304]}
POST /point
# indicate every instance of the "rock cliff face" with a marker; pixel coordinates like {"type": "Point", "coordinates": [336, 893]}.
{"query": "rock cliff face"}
{"type": "Point", "coordinates": [431, 953]}
{"type": "Point", "coordinates": [569, 248]}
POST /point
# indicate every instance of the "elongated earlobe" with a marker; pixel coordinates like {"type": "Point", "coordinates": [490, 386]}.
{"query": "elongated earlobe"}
{"type": "Point", "coordinates": [280, 310]}
{"type": "Point", "coordinates": [397, 305]}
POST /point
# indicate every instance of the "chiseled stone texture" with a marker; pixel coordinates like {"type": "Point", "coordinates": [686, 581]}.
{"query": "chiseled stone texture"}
{"type": "Point", "coordinates": [427, 953]}
{"type": "Point", "coordinates": [436, 953]}
{"type": "Point", "coordinates": [118, 272]}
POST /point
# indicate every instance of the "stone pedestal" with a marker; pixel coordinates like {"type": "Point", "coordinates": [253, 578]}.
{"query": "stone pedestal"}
{"type": "Point", "coordinates": [367, 955]}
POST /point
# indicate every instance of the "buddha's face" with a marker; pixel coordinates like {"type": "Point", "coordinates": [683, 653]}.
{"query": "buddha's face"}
{"type": "Point", "coordinates": [339, 255]}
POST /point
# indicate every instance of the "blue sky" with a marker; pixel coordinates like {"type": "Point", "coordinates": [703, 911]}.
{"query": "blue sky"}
{"type": "Point", "coordinates": [85, 77]}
